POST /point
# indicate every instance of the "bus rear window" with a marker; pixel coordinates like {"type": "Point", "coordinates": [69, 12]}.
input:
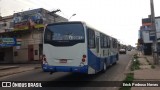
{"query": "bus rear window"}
{"type": "Point", "coordinates": [64, 34]}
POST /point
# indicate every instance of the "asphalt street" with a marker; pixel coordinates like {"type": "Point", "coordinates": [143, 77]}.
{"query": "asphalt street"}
{"type": "Point", "coordinates": [113, 73]}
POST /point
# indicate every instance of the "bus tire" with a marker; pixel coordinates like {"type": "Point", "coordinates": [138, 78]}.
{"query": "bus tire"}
{"type": "Point", "coordinates": [115, 63]}
{"type": "Point", "coordinates": [104, 67]}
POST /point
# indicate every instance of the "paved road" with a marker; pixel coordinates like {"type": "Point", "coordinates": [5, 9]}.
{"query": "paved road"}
{"type": "Point", "coordinates": [114, 73]}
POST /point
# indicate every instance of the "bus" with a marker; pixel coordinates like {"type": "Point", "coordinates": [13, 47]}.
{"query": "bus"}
{"type": "Point", "coordinates": [77, 47]}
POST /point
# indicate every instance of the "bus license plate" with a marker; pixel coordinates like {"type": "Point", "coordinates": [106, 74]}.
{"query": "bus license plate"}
{"type": "Point", "coordinates": [63, 61]}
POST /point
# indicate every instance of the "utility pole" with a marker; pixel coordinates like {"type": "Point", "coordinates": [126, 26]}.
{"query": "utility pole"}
{"type": "Point", "coordinates": [155, 52]}
{"type": "Point", "coordinates": [0, 12]}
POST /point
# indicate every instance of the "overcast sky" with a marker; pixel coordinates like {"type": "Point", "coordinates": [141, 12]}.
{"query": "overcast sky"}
{"type": "Point", "coordinates": [118, 18]}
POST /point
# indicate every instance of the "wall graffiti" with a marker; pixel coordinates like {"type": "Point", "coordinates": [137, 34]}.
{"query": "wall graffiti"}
{"type": "Point", "coordinates": [28, 20]}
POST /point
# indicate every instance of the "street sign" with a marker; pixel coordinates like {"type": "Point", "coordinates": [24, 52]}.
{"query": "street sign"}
{"type": "Point", "coordinates": [4, 42]}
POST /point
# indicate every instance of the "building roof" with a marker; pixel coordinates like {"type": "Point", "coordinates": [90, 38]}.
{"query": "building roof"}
{"type": "Point", "coordinates": [6, 17]}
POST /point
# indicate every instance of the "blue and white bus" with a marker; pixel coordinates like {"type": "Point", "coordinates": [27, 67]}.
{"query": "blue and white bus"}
{"type": "Point", "coordinates": [77, 47]}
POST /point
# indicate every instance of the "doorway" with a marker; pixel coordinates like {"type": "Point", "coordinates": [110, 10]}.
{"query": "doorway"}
{"type": "Point", "coordinates": [30, 53]}
{"type": "Point", "coordinates": [2, 54]}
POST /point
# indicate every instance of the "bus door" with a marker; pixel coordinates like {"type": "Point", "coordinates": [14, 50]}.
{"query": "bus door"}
{"type": "Point", "coordinates": [99, 62]}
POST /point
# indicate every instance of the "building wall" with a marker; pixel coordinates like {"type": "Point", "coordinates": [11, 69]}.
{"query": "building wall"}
{"type": "Point", "coordinates": [22, 54]}
{"type": "Point", "coordinates": [6, 24]}
{"type": "Point", "coordinates": [157, 21]}
{"type": "Point", "coordinates": [36, 52]}
{"type": "Point", "coordinates": [30, 39]}
{"type": "Point", "coordinates": [146, 36]}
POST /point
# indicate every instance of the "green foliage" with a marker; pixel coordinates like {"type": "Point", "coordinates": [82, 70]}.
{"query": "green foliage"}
{"type": "Point", "coordinates": [152, 66]}
{"type": "Point", "coordinates": [129, 78]}
{"type": "Point", "coordinates": [135, 65]}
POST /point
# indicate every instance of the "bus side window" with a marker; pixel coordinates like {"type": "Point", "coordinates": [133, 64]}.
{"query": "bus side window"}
{"type": "Point", "coordinates": [108, 39]}
{"type": "Point", "coordinates": [105, 42]}
{"type": "Point", "coordinates": [113, 44]}
{"type": "Point", "coordinates": [102, 40]}
{"type": "Point", "coordinates": [91, 38]}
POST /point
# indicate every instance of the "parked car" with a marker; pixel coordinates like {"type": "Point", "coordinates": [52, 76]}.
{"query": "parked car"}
{"type": "Point", "coordinates": [122, 51]}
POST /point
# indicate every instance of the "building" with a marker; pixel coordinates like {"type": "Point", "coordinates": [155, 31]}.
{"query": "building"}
{"type": "Point", "coordinates": [147, 34]}
{"type": "Point", "coordinates": [6, 26]}
{"type": "Point", "coordinates": [21, 35]}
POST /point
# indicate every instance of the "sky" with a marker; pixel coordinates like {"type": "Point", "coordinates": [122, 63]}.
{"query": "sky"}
{"type": "Point", "coordinates": [118, 18]}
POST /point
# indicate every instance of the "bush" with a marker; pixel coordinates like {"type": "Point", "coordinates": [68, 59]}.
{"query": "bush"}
{"type": "Point", "coordinates": [135, 56]}
{"type": "Point", "coordinates": [129, 78]}
{"type": "Point", "coordinates": [135, 64]}
{"type": "Point", "coordinates": [152, 66]}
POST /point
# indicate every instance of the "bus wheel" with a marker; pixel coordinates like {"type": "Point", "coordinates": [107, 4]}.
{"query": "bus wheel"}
{"type": "Point", "coordinates": [114, 63]}
{"type": "Point", "coordinates": [104, 67]}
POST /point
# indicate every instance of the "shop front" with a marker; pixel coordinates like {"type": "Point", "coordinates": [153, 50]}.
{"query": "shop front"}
{"type": "Point", "coordinates": [6, 49]}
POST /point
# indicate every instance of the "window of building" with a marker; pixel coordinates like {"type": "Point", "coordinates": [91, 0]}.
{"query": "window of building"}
{"type": "Point", "coordinates": [36, 52]}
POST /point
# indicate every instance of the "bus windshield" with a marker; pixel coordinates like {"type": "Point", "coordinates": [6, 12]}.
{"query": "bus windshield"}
{"type": "Point", "coordinates": [64, 34]}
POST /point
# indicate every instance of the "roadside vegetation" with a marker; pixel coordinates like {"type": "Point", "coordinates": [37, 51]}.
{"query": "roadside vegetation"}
{"type": "Point", "coordinates": [130, 76]}
{"type": "Point", "coordinates": [135, 63]}
{"type": "Point", "coordinates": [152, 66]}
{"type": "Point", "coordinates": [129, 79]}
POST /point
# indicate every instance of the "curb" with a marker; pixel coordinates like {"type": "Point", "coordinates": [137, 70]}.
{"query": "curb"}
{"type": "Point", "coordinates": [8, 74]}
{"type": "Point", "coordinates": [9, 67]}
{"type": "Point", "coordinates": [37, 67]}
{"type": "Point", "coordinates": [127, 69]}
{"type": "Point", "coordinates": [146, 79]}
{"type": "Point", "coordinates": [16, 72]}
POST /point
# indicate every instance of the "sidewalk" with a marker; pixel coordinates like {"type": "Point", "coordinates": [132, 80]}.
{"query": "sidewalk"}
{"type": "Point", "coordinates": [9, 69]}
{"type": "Point", "coordinates": [146, 73]}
